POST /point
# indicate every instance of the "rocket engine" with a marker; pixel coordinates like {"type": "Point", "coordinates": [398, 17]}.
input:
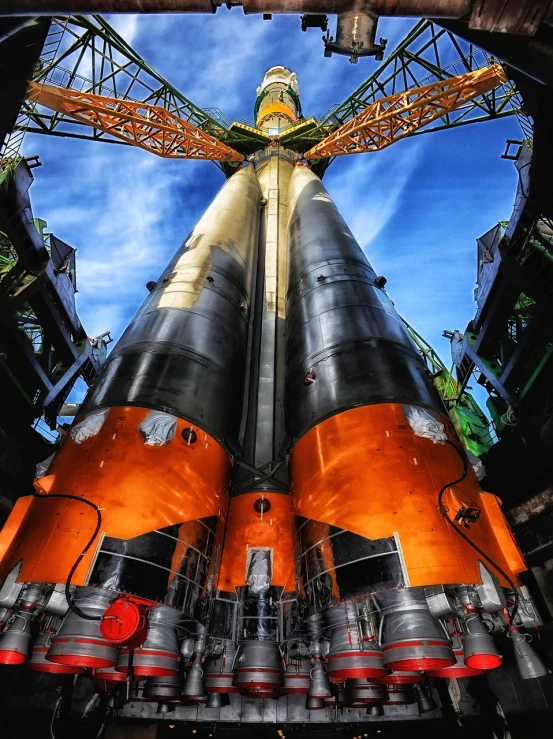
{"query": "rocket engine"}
{"type": "Point", "coordinates": [263, 493]}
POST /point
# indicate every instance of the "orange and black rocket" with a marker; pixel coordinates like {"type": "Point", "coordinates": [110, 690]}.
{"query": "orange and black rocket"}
{"type": "Point", "coordinates": [263, 493]}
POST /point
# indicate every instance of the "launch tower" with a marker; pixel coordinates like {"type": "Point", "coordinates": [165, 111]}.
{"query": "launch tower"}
{"type": "Point", "coordinates": [263, 495]}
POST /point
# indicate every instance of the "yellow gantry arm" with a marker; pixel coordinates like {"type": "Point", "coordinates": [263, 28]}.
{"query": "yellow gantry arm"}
{"type": "Point", "coordinates": [391, 118]}
{"type": "Point", "coordinates": [149, 127]}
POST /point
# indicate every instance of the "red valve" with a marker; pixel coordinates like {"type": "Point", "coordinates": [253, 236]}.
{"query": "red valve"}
{"type": "Point", "coordinates": [125, 624]}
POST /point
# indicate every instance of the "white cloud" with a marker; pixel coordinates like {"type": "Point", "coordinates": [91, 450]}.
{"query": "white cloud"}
{"type": "Point", "coordinates": [127, 26]}
{"type": "Point", "coordinates": [119, 206]}
{"type": "Point", "coordinates": [368, 188]}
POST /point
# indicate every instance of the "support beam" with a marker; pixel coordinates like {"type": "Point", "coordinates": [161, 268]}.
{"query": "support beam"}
{"type": "Point", "coordinates": [148, 127]}
{"type": "Point", "coordinates": [392, 118]}
{"type": "Point", "coordinates": [68, 377]}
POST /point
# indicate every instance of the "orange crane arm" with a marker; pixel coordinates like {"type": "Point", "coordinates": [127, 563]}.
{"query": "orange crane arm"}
{"type": "Point", "coordinates": [391, 118]}
{"type": "Point", "coordinates": [149, 127]}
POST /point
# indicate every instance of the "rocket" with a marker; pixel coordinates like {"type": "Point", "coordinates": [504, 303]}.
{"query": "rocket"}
{"type": "Point", "coordinates": [263, 492]}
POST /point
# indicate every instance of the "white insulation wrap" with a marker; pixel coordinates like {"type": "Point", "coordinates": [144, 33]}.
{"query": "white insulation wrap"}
{"type": "Point", "coordinates": [424, 424]}
{"type": "Point", "coordinates": [259, 570]}
{"type": "Point", "coordinates": [477, 465]}
{"type": "Point", "coordinates": [43, 467]}
{"type": "Point", "coordinates": [158, 428]}
{"type": "Point", "coordinates": [89, 427]}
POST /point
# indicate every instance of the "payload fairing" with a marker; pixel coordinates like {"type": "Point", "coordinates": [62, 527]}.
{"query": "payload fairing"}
{"type": "Point", "coordinates": [263, 492]}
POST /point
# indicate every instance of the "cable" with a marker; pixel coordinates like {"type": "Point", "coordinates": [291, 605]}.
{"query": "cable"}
{"type": "Point", "coordinates": [76, 610]}
{"type": "Point", "coordinates": [443, 510]}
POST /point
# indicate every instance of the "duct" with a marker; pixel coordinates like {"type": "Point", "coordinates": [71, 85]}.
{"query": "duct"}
{"type": "Point", "coordinates": [42, 467]}
{"type": "Point", "coordinates": [90, 426]}
{"type": "Point", "coordinates": [440, 602]}
{"type": "Point", "coordinates": [476, 464]}
{"type": "Point", "coordinates": [490, 592]}
{"type": "Point", "coordinates": [11, 589]}
{"type": "Point", "coordinates": [158, 428]}
{"type": "Point", "coordinates": [57, 604]}
{"type": "Point", "coordinates": [424, 424]}
{"type": "Point", "coordinates": [259, 570]}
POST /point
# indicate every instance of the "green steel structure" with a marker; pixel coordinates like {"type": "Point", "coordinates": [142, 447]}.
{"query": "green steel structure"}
{"type": "Point", "coordinates": [427, 54]}
{"type": "Point", "coordinates": [471, 423]}
{"type": "Point", "coordinates": [90, 56]}
{"type": "Point", "coordinates": [508, 347]}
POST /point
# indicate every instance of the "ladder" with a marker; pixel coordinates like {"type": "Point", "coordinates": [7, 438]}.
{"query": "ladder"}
{"type": "Point", "coordinates": [10, 150]}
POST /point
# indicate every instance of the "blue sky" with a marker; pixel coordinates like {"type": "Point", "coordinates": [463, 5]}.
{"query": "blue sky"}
{"type": "Point", "coordinates": [416, 208]}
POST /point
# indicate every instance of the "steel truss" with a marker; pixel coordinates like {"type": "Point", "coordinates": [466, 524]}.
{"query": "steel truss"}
{"type": "Point", "coordinates": [428, 54]}
{"type": "Point", "coordinates": [473, 427]}
{"type": "Point", "coordinates": [150, 127]}
{"type": "Point", "coordinates": [43, 345]}
{"type": "Point", "coordinates": [92, 59]}
{"type": "Point", "coordinates": [392, 118]}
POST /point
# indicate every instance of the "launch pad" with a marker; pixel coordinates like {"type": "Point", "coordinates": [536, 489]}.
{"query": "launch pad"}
{"type": "Point", "coordinates": [270, 515]}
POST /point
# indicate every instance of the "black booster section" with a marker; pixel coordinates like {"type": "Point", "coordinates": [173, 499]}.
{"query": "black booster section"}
{"type": "Point", "coordinates": [185, 350]}
{"type": "Point", "coordinates": [346, 345]}
{"type": "Point", "coordinates": [171, 565]}
{"type": "Point", "coordinates": [337, 565]}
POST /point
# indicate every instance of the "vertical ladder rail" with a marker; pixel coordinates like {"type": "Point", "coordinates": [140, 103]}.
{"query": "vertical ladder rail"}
{"type": "Point", "coordinates": [10, 150]}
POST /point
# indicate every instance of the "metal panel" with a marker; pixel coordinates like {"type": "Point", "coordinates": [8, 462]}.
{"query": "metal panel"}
{"type": "Point", "coordinates": [185, 350]}
{"type": "Point", "coordinates": [342, 328]}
